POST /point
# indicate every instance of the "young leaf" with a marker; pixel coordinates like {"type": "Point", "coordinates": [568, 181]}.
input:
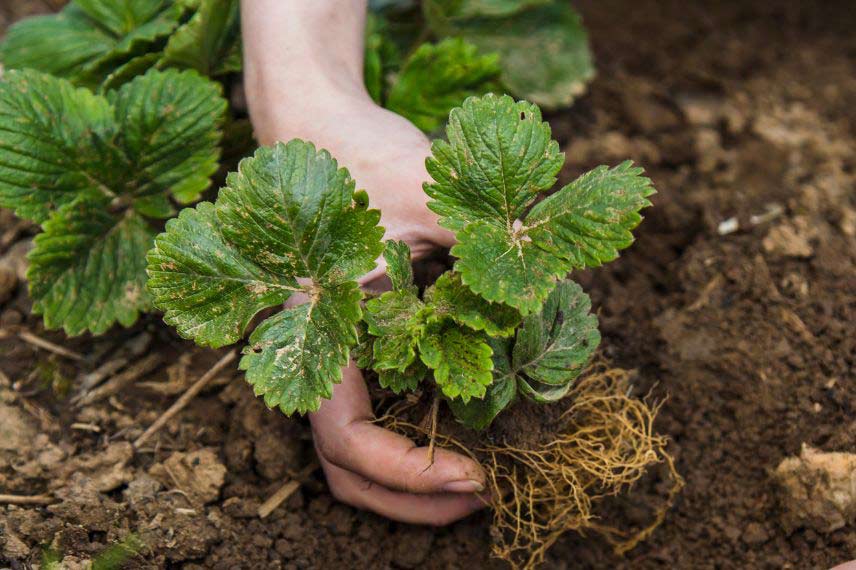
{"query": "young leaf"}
{"type": "Point", "coordinates": [406, 381]}
{"type": "Point", "coordinates": [210, 42]}
{"type": "Point", "coordinates": [553, 347]}
{"type": "Point", "coordinates": [395, 319]}
{"type": "Point", "coordinates": [295, 357]}
{"type": "Point", "coordinates": [363, 352]}
{"type": "Point", "coordinates": [398, 265]}
{"type": "Point", "coordinates": [129, 70]}
{"type": "Point", "coordinates": [208, 291]}
{"type": "Point", "coordinates": [478, 414]}
{"type": "Point", "coordinates": [460, 359]}
{"type": "Point", "coordinates": [542, 45]}
{"type": "Point", "coordinates": [498, 159]}
{"type": "Point", "coordinates": [87, 268]}
{"type": "Point", "coordinates": [550, 351]}
{"type": "Point", "coordinates": [437, 77]}
{"type": "Point", "coordinates": [289, 213]}
{"type": "Point", "coordinates": [450, 298]}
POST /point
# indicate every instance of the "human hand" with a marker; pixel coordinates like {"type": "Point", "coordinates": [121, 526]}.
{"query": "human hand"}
{"type": "Point", "coordinates": [310, 90]}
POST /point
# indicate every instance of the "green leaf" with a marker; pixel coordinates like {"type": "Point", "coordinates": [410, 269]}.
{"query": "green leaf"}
{"type": "Point", "coordinates": [124, 16]}
{"type": "Point", "coordinates": [398, 265]}
{"type": "Point", "coordinates": [158, 133]}
{"type": "Point", "coordinates": [543, 49]}
{"type": "Point", "coordinates": [89, 39]}
{"type": "Point", "coordinates": [291, 210]}
{"type": "Point", "coordinates": [46, 162]}
{"type": "Point", "coordinates": [122, 154]}
{"type": "Point", "coordinates": [553, 347]}
{"type": "Point", "coordinates": [170, 125]}
{"type": "Point", "coordinates": [129, 71]}
{"type": "Point", "coordinates": [209, 42]}
{"type": "Point", "coordinates": [450, 298]}
{"type": "Point", "coordinates": [460, 359]}
{"type": "Point", "coordinates": [543, 393]}
{"type": "Point", "coordinates": [381, 57]}
{"type": "Point", "coordinates": [498, 159]}
{"type": "Point", "coordinates": [363, 352]}
{"type": "Point", "coordinates": [463, 9]}
{"type": "Point", "coordinates": [87, 268]}
{"type": "Point", "coordinates": [437, 77]}
{"type": "Point", "coordinates": [295, 357]}
{"type": "Point", "coordinates": [60, 44]}
{"type": "Point", "coordinates": [590, 220]}
{"type": "Point", "coordinates": [550, 351]}
{"type": "Point", "coordinates": [478, 414]}
{"type": "Point", "coordinates": [288, 214]}
{"type": "Point", "coordinates": [406, 381]}
{"type": "Point", "coordinates": [505, 267]}
{"type": "Point", "coordinates": [395, 319]}
{"type": "Point", "coordinates": [207, 290]}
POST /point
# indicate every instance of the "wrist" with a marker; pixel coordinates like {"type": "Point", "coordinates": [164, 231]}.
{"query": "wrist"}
{"type": "Point", "coordinates": [290, 104]}
{"type": "Point", "coordinates": [300, 59]}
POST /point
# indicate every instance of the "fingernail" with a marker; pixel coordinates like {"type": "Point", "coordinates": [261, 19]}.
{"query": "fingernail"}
{"type": "Point", "coordinates": [464, 486]}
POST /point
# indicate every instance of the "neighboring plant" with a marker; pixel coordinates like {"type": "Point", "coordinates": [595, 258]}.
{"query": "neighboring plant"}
{"type": "Point", "coordinates": [539, 50]}
{"type": "Point", "coordinates": [502, 322]}
{"type": "Point", "coordinates": [97, 172]}
{"type": "Point", "coordinates": [104, 43]}
{"type": "Point", "coordinates": [419, 63]}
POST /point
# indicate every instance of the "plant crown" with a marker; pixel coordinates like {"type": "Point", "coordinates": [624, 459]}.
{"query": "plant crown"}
{"type": "Point", "coordinates": [503, 321]}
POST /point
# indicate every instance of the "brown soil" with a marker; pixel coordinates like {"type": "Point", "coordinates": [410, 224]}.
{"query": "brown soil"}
{"type": "Point", "coordinates": [739, 110]}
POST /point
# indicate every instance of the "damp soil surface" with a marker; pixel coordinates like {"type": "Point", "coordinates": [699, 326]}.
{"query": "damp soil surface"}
{"type": "Point", "coordinates": [736, 306]}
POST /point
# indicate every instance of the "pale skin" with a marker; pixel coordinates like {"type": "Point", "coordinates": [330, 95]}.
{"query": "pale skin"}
{"type": "Point", "coordinates": [303, 62]}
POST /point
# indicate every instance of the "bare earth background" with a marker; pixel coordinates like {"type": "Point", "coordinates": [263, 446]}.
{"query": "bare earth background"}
{"type": "Point", "coordinates": [737, 109]}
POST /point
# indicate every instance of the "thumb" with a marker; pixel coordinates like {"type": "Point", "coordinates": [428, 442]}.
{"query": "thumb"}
{"type": "Point", "coordinates": [347, 438]}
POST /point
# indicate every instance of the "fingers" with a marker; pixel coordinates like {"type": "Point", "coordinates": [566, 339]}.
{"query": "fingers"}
{"type": "Point", "coordinates": [345, 437]}
{"type": "Point", "coordinates": [431, 509]}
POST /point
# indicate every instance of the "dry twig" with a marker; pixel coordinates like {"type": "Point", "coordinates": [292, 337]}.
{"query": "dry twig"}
{"type": "Point", "coordinates": [39, 342]}
{"type": "Point", "coordinates": [118, 382]}
{"type": "Point", "coordinates": [287, 490]}
{"type": "Point", "coordinates": [185, 398]}
{"type": "Point", "coordinates": [26, 499]}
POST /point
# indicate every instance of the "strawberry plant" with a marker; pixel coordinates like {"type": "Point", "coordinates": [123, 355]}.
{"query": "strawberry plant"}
{"type": "Point", "coordinates": [504, 321]}
{"type": "Point", "coordinates": [98, 172]}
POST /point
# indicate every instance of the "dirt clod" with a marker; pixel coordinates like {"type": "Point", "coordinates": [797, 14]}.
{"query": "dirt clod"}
{"type": "Point", "coordinates": [818, 490]}
{"type": "Point", "coordinates": [198, 475]}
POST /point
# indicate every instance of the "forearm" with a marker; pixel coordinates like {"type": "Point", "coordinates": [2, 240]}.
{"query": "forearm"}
{"type": "Point", "coordinates": [298, 54]}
